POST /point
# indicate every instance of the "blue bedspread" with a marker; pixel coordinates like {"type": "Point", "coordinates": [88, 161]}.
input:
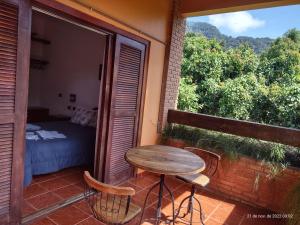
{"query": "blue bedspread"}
{"type": "Point", "coordinates": [51, 155]}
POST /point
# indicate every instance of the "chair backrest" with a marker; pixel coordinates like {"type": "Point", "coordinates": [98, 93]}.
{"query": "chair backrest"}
{"type": "Point", "coordinates": [109, 204]}
{"type": "Point", "coordinates": [211, 160]}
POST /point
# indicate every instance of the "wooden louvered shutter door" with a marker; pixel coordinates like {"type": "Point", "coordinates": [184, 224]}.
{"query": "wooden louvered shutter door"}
{"type": "Point", "coordinates": [14, 70]}
{"type": "Point", "coordinates": [125, 107]}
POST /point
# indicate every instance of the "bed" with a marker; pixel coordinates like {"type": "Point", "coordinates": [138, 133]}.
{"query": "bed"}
{"type": "Point", "coordinates": [51, 155]}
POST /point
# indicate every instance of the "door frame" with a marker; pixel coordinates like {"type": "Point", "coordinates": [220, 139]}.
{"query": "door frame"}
{"type": "Point", "coordinates": [105, 95]}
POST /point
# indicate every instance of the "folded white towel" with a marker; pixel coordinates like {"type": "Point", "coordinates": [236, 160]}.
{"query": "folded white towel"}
{"type": "Point", "coordinates": [32, 127]}
{"type": "Point", "coordinates": [31, 136]}
{"type": "Point", "coordinates": [50, 134]}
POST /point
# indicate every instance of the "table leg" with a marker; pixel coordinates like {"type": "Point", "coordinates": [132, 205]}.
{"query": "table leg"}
{"type": "Point", "coordinates": [146, 199]}
{"type": "Point", "coordinates": [161, 185]}
{"type": "Point", "coordinates": [160, 196]}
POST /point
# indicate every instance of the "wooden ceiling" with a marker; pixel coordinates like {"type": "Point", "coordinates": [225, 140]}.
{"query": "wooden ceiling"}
{"type": "Point", "coordinates": [206, 7]}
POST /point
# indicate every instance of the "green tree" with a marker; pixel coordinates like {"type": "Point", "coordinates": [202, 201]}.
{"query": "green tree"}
{"type": "Point", "coordinates": [202, 58]}
{"type": "Point", "coordinates": [294, 35]}
{"type": "Point", "coordinates": [237, 97]}
{"type": "Point", "coordinates": [240, 60]}
{"type": "Point", "coordinates": [285, 105]}
{"type": "Point", "coordinates": [188, 98]}
{"type": "Point", "coordinates": [239, 84]}
{"type": "Point", "coordinates": [209, 92]}
{"type": "Point", "coordinates": [281, 62]}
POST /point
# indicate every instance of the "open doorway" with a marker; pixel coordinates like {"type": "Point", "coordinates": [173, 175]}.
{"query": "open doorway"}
{"type": "Point", "coordinates": [66, 68]}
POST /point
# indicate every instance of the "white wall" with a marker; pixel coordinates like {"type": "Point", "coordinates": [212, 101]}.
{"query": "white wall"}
{"type": "Point", "coordinates": [74, 57]}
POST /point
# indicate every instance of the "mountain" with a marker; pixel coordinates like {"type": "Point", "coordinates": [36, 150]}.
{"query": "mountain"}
{"type": "Point", "coordinates": [210, 31]}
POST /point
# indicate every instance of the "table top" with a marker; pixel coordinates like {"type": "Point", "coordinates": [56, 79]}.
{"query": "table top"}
{"type": "Point", "coordinates": [165, 160]}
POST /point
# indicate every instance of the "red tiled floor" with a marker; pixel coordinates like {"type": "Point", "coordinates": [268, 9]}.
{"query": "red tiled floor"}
{"type": "Point", "coordinates": [68, 191]}
{"type": "Point", "coordinates": [128, 184]}
{"type": "Point", "coordinates": [83, 206]}
{"type": "Point", "coordinates": [139, 198]}
{"type": "Point", "coordinates": [34, 190]}
{"type": "Point", "coordinates": [68, 216]}
{"type": "Point", "coordinates": [42, 178]}
{"type": "Point", "coordinates": [27, 208]}
{"type": "Point", "coordinates": [77, 177]}
{"type": "Point", "coordinates": [44, 200]}
{"type": "Point", "coordinates": [44, 221]}
{"type": "Point", "coordinates": [90, 221]}
{"type": "Point", "coordinates": [142, 182]}
{"type": "Point", "coordinates": [49, 189]}
{"type": "Point", "coordinates": [54, 184]}
{"type": "Point", "coordinates": [217, 210]}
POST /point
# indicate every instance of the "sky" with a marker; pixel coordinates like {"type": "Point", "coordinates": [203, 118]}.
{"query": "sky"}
{"type": "Point", "coordinates": [270, 22]}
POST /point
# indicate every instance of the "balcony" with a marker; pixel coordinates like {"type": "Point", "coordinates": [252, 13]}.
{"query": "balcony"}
{"type": "Point", "coordinates": [241, 192]}
{"type": "Point", "coordinates": [218, 209]}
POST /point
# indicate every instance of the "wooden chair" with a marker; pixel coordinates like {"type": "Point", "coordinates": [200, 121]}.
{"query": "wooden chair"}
{"type": "Point", "coordinates": [198, 180]}
{"type": "Point", "coordinates": [110, 204]}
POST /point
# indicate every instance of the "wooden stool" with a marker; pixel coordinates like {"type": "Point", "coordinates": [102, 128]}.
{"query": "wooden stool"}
{"type": "Point", "coordinates": [198, 180]}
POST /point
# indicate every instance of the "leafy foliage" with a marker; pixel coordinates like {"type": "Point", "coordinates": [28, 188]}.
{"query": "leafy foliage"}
{"type": "Point", "coordinates": [188, 98]}
{"type": "Point", "coordinates": [240, 60]}
{"type": "Point", "coordinates": [276, 155]}
{"type": "Point", "coordinates": [281, 62]}
{"type": "Point", "coordinates": [240, 84]}
{"type": "Point", "coordinates": [203, 58]}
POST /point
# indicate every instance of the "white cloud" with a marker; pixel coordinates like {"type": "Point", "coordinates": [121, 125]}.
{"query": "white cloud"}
{"type": "Point", "coordinates": [237, 22]}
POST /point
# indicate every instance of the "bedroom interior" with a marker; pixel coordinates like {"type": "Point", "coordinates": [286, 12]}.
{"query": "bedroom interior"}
{"type": "Point", "coordinates": [63, 105]}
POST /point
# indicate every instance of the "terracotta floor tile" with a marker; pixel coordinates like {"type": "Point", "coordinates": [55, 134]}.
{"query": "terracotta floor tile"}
{"type": "Point", "coordinates": [234, 207]}
{"type": "Point", "coordinates": [149, 174]}
{"type": "Point", "coordinates": [128, 184]}
{"type": "Point", "coordinates": [217, 209]}
{"type": "Point", "coordinates": [74, 178]}
{"type": "Point", "coordinates": [54, 184]}
{"type": "Point", "coordinates": [90, 221]}
{"type": "Point", "coordinates": [139, 198]}
{"type": "Point", "coordinates": [66, 172]}
{"type": "Point", "coordinates": [173, 183]}
{"type": "Point", "coordinates": [149, 216]}
{"type": "Point", "coordinates": [42, 178]}
{"type": "Point", "coordinates": [180, 195]}
{"type": "Point", "coordinates": [207, 209]}
{"type": "Point", "coordinates": [226, 217]}
{"type": "Point", "coordinates": [68, 191]}
{"type": "Point", "coordinates": [44, 200]}
{"type": "Point", "coordinates": [80, 185]}
{"type": "Point", "coordinates": [212, 222]}
{"type": "Point", "coordinates": [44, 221]}
{"type": "Point", "coordinates": [143, 182]}
{"type": "Point", "coordinates": [205, 197]}
{"type": "Point", "coordinates": [68, 216]}
{"type": "Point", "coordinates": [27, 208]}
{"type": "Point", "coordinates": [33, 190]}
{"type": "Point", "coordinates": [166, 207]}
{"type": "Point", "coordinates": [195, 219]}
{"type": "Point", "coordinates": [82, 205]}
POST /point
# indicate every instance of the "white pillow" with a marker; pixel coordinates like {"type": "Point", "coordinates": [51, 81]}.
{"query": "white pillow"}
{"type": "Point", "coordinates": [82, 116]}
{"type": "Point", "coordinates": [93, 120]}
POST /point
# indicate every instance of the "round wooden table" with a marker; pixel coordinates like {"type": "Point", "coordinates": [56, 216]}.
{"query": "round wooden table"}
{"type": "Point", "coordinates": [164, 160]}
